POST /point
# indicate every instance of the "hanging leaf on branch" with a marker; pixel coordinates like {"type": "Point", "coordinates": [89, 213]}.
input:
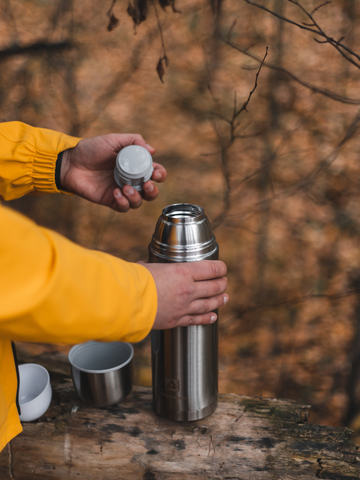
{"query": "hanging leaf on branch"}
{"type": "Point", "coordinates": [113, 21]}
{"type": "Point", "coordinates": [160, 67]}
{"type": "Point", "coordinates": [168, 3]}
{"type": "Point", "coordinates": [138, 11]}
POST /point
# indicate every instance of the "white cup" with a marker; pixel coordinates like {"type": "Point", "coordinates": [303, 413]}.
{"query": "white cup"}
{"type": "Point", "coordinates": [35, 391]}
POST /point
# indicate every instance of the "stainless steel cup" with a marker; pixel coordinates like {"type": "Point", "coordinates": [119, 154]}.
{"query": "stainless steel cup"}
{"type": "Point", "coordinates": [102, 372]}
{"type": "Point", "coordinates": [184, 359]}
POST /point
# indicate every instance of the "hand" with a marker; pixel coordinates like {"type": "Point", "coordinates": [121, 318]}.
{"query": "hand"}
{"type": "Point", "coordinates": [188, 292]}
{"type": "Point", "coordinates": [88, 171]}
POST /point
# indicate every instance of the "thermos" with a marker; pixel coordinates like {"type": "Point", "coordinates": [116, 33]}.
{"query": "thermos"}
{"type": "Point", "coordinates": [184, 359]}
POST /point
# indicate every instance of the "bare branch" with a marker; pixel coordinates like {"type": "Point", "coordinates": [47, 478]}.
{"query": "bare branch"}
{"type": "Point", "coordinates": [36, 48]}
{"type": "Point", "coordinates": [309, 180]}
{"type": "Point", "coordinates": [163, 58]}
{"type": "Point", "coordinates": [226, 145]}
{"type": "Point", "coordinates": [300, 299]}
{"type": "Point", "coordinates": [320, 6]}
{"type": "Point", "coordinates": [317, 30]}
{"type": "Point", "coordinates": [231, 28]}
{"type": "Point", "coordinates": [323, 91]}
{"type": "Point", "coordinates": [253, 90]}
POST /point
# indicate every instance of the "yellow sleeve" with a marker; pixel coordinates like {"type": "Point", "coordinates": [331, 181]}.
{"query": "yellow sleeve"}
{"type": "Point", "coordinates": [52, 290]}
{"type": "Point", "coordinates": [27, 159]}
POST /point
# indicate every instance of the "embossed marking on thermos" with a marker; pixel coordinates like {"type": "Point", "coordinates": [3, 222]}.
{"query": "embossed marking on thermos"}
{"type": "Point", "coordinates": [184, 359]}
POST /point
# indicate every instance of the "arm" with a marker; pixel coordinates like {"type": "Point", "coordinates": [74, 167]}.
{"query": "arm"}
{"type": "Point", "coordinates": [52, 290]}
{"type": "Point", "coordinates": [55, 291]}
{"type": "Point", "coordinates": [28, 166]}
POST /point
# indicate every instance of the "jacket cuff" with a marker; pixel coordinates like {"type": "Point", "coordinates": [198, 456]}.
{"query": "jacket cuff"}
{"type": "Point", "coordinates": [43, 173]}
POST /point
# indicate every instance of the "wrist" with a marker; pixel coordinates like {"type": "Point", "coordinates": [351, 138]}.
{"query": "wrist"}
{"type": "Point", "coordinates": [63, 167]}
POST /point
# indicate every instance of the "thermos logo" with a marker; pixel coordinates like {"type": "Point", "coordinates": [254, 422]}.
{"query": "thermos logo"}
{"type": "Point", "coordinates": [172, 385]}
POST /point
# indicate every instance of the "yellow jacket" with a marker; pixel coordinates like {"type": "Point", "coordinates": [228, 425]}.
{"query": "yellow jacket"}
{"type": "Point", "coordinates": [52, 290]}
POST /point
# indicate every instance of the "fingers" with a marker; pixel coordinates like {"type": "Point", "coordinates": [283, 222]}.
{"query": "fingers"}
{"type": "Point", "coordinates": [159, 173]}
{"type": "Point", "coordinates": [210, 288]}
{"type": "Point", "coordinates": [206, 305]}
{"type": "Point", "coordinates": [127, 198]}
{"type": "Point", "coordinates": [150, 191]}
{"type": "Point", "coordinates": [207, 269]}
{"type": "Point", "coordinates": [204, 319]}
{"type": "Point", "coordinates": [126, 139]}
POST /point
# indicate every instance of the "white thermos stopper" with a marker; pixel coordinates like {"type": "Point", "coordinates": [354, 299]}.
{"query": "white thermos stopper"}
{"type": "Point", "coordinates": [134, 166]}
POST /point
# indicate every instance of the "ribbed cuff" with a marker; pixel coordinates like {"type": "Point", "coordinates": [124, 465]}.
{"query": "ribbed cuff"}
{"type": "Point", "coordinates": [44, 172]}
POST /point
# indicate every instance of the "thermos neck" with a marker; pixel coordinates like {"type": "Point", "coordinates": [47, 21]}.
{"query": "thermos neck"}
{"type": "Point", "coordinates": [183, 234]}
{"type": "Point", "coordinates": [183, 213]}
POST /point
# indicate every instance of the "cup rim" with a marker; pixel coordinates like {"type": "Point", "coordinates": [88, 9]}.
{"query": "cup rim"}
{"type": "Point", "coordinates": [183, 213]}
{"type": "Point", "coordinates": [36, 399]}
{"type": "Point", "coordinates": [81, 346]}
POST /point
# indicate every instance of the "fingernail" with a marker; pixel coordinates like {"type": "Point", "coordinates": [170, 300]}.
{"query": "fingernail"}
{"type": "Point", "coordinates": [117, 194]}
{"type": "Point", "coordinates": [212, 318]}
{"type": "Point", "coordinates": [130, 191]}
{"type": "Point", "coordinates": [226, 298]}
{"type": "Point", "coordinates": [150, 146]}
{"type": "Point", "coordinates": [150, 188]}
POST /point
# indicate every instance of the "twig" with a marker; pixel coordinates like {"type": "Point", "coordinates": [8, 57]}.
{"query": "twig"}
{"type": "Point", "coordinates": [300, 299]}
{"type": "Point", "coordinates": [320, 6]}
{"type": "Point", "coordinates": [163, 58]}
{"type": "Point", "coordinates": [307, 182]}
{"type": "Point", "coordinates": [231, 28]}
{"type": "Point", "coordinates": [253, 90]}
{"type": "Point", "coordinates": [35, 48]}
{"type": "Point", "coordinates": [226, 145]}
{"type": "Point", "coordinates": [323, 91]}
{"type": "Point", "coordinates": [160, 29]}
{"type": "Point", "coordinates": [338, 45]}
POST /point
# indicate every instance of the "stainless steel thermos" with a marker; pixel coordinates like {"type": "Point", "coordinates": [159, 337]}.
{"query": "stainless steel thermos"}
{"type": "Point", "coordinates": [184, 359]}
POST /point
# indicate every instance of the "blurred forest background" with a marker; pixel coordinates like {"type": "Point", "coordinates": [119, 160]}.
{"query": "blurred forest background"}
{"type": "Point", "coordinates": [277, 171]}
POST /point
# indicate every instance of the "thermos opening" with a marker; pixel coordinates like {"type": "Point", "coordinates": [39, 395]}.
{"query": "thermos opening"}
{"type": "Point", "coordinates": [183, 210]}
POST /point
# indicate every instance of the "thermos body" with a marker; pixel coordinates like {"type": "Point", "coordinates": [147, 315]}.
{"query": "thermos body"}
{"type": "Point", "coordinates": [184, 359]}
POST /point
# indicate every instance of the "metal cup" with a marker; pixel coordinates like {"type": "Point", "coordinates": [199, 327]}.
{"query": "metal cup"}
{"type": "Point", "coordinates": [102, 372]}
{"type": "Point", "coordinates": [184, 359]}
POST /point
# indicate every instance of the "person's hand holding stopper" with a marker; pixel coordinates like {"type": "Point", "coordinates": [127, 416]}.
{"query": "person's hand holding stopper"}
{"type": "Point", "coordinates": [88, 171]}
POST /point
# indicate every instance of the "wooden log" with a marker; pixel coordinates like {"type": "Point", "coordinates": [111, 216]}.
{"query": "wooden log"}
{"type": "Point", "coordinates": [246, 438]}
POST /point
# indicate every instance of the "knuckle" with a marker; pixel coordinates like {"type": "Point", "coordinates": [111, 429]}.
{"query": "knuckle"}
{"type": "Point", "coordinates": [186, 320]}
{"type": "Point", "coordinates": [187, 290]}
{"type": "Point", "coordinates": [214, 270]}
{"type": "Point", "coordinates": [223, 285]}
{"type": "Point", "coordinates": [223, 268]}
{"type": "Point", "coordinates": [206, 306]}
{"type": "Point", "coordinates": [184, 270]}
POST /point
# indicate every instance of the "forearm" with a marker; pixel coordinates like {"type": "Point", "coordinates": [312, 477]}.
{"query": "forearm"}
{"type": "Point", "coordinates": [55, 291]}
{"type": "Point", "coordinates": [28, 158]}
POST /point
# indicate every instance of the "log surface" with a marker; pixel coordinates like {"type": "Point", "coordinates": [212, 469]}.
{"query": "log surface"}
{"type": "Point", "coordinates": [246, 438]}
